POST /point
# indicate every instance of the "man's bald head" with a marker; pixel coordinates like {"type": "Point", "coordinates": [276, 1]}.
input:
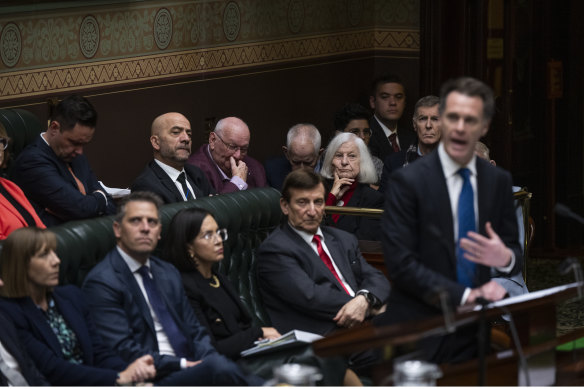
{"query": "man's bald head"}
{"type": "Point", "coordinates": [302, 146]}
{"type": "Point", "coordinates": [170, 136]}
{"type": "Point", "coordinates": [229, 139]}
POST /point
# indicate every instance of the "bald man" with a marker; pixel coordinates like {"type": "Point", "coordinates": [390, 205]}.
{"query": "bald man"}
{"type": "Point", "coordinates": [225, 161]}
{"type": "Point", "coordinates": [168, 175]}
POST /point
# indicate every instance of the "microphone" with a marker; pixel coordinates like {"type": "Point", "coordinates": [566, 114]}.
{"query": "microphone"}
{"type": "Point", "coordinates": [564, 211]}
{"type": "Point", "coordinates": [571, 264]}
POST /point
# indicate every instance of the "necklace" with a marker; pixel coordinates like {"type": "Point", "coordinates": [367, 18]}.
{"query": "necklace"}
{"type": "Point", "coordinates": [215, 282]}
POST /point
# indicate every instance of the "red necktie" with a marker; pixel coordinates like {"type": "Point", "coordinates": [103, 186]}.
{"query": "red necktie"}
{"type": "Point", "coordinates": [393, 142]}
{"type": "Point", "coordinates": [327, 261]}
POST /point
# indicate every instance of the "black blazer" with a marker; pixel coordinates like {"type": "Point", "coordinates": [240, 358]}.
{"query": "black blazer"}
{"type": "Point", "coordinates": [363, 228]}
{"type": "Point", "coordinates": [48, 184]}
{"type": "Point", "coordinates": [418, 234]}
{"type": "Point", "coordinates": [11, 343]}
{"type": "Point", "coordinates": [231, 332]}
{"type": "Point", "coordinates": [379, 144]}
{"type": "Point", "coordinates": [154, 179]}
{"type": "Point", "coordinates": [100, 364]}
{"type": "Point", "coordinates": [299, 291]}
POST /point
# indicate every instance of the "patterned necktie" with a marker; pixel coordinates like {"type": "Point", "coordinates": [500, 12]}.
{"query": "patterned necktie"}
{"type": "Point", "coordinates": [327, 261]}
{"type": "Point", "coordinates": [13, 376]}
{"type": "Point", "coordinates": [393, 142]}
{"type": "Point", "coordinates": [175, 336]}
{"type": "Point", "coordinates": [465, 269]}
{"type": "Point", "coordinates": [183, 182]}
{"type": "Point", "coordinates": [80, 185]}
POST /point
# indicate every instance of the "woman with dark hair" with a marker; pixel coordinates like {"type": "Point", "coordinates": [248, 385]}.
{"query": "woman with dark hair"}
{"type": "Point", "coordinates": [15, 208]}
{"type": "Point", "coordinates": [195, 246]}
{"type": "Point", "coordinates": [53, 322]}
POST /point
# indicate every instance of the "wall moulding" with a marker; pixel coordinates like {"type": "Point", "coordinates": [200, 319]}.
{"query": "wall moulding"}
{"type": "Point", "coordinates": [126, 72]}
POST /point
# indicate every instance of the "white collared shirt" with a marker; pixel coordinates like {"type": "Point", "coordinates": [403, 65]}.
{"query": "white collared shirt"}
{"type": "Point", "coordinates": [307, 237]}
{"type": "Point", "coordinates": [164, 346]}
{"type": "Point", "coordinates": [387, 131]}
{"type": "Point", "coordinates": [173, 174]}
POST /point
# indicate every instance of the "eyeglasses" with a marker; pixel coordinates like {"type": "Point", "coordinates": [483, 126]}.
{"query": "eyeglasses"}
{"type": "Point", "coordinates": [233, 148]}
{"type": "Point", "coordinates": [221, 233]}
{"type": "Point", "coordinates": [360, 133]}
{"type": "Point", "coordinates": [3, 143]}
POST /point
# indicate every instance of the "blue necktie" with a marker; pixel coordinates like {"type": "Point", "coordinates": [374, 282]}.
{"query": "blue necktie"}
{"type": "Point", "coordinates": [465, 269]}
{"type": "Point", "coordinates": [175, 336]}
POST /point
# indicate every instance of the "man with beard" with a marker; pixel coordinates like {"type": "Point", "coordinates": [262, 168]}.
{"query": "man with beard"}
{"type": "Point", "coordinates": [168, 175]}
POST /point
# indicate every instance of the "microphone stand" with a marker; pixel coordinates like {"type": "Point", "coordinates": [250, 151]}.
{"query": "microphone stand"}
{"type": "Point", "coordinates": [483, 335]}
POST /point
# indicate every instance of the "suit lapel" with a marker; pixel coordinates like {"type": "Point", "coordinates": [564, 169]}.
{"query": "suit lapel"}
{"type": "Point", "coordinates": [484, 188]}
{"type": "Point", "coordinates": [166, 181]}
{"type": "Point", "coordinates": [72, 317]}
{"type": "Point", "coordinates": [339, 258]}
{"type": "Point", "coordinates": [120, 267]}
{"type": "Point", "coordinates": [39, 321]}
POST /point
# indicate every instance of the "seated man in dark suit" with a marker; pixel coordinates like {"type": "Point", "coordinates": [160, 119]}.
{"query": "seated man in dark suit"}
{"type": "Point", "coordinates": [451, 221]}
{"type": "Point", "coordinates": [53, 172]}
{"type": "Point", "coordinates": [168, 175]}
{"type": "Point", "coordinates": [16, 367]}
{"type": "Point", "coordinates": [302, 150]}
{"type": "Point", "coordinates": [300, 289]}
{"type": "Point", "coordinates": [140, 306]}
{"type": "Point", "coordinates": [388, 101]}
{"type": "Point", "coordinates": [426, 122]}
{"type": "Point", "coordinates": [225, 161]}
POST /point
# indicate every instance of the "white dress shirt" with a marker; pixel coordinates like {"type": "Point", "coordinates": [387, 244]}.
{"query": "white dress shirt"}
{"type": "Point", "coordinates": [173, 174]}
{"type": "Point", "coordinates": [387, 131]}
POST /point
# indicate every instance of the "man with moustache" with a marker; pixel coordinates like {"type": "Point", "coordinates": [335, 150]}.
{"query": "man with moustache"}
{"type": "Point", "coordinates": [449, 220]}
{"type": "Point", "coordinates": [168, 175]}
{"type": "Point", "coordinates": [224, 159]}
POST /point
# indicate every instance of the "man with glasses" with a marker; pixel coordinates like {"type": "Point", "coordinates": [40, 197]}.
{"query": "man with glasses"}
{"type": "Point", "coordinates": [354, 118]}
{"type": "Point", "coordinates": [224, 159]}
{"type": "Point", "coordinates": [302, 150]}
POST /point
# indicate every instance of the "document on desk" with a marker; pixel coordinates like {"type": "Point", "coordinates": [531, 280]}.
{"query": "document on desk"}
{"type": "Point", "coordinates": [528, 296]}
{"type": "Point", "coordinates": [288, 339]}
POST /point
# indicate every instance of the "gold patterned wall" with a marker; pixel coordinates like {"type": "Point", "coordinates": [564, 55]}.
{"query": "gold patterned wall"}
{"type": "Point", "coordinates": [58, 47]}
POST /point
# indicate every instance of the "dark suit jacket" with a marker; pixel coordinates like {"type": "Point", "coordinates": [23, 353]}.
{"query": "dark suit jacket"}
{"type": "Point", "coordinates": [122, 316]}
{"type": "Point", "coordinates": [154, 179]}
{"type": "Point", "coordinates": [48, 184]}
{"type": "Point", "coordinates": [277, 169]}
{"type": "Point", "coordinates": [256, 176]}
{"type": "Point", "coordinates": [299, 291]}
{"type": "Point", "coordinates": [100, 364]}
{"type": "Point", "coordinates": [418, 234]}
{"type": "Point", "coordinates": [232, 332]}
{"type": "Point", "coordinates": [12, 219]}
{"type": "Point", "coordinates": [379, 144]}
{"type": "Point", "coordinates": [10, 341]}
{"type": "Point", "coordinates": [393, 162]}
{"type": "Point", "coordinates": [363, 228]}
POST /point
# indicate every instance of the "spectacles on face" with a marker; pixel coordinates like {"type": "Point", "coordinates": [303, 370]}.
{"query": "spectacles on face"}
{"type": "Point", "coordinates": [233, 148]}
{"type": "Point", "coordinates": [365, 133]}
{"type": "Point", "coordinates": [3, 143]}
{"type": "Point", "coordinates": [221, 233]}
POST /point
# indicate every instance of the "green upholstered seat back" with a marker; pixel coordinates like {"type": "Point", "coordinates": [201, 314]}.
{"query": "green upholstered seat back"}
{"type": "Point", "coordinates": [22, 127]}
{"type": "Point", "coordinates": [249, 217]}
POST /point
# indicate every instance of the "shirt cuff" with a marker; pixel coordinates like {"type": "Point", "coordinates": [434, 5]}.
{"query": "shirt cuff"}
{"type": "Point", "coordinates": [237, 181]}
{"type": "Point", "coordinates": [507, 269]}
{"type": "Point", "coordinates": [183, 363]}
{"type": "Point", "coordinates": [465, 296]}
{"type": "Point", "coordinates": [103, 194]}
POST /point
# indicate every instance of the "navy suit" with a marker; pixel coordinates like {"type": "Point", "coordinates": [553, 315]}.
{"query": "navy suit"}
{"type": "Point", "coordinates": [10, 341]}
{"type": "Point", "coordinates": [154, 179]}
{"type": "Point", "coordinates": [277, 169]}
{"type": "Point", "coordinates": [50, 187]}
{"type": "Point", "coordinates": [379, 144]}
{"type": "Point", "coordinates": [123, 320]}
{"type": "Point", "coordinates": [100, 364]}
{"type": "Point", "coordinates": [299, 291]}
{"type": "Point", "coordinates": [418, 238]}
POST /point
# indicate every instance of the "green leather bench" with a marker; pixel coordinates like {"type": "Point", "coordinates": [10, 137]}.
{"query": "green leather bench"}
{"type": "Point", "coordinates": [249, 217]}
{"type": "Point", "coordinates": [22, 128]}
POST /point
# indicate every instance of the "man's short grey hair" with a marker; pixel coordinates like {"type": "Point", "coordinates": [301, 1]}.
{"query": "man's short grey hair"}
{"type": "Point", "coordinates": [304, 129]}
{"type": "Point", "coordinates": [367, 173]}
{"type": "Point", "coordinates": [220, 126]}
{"type": "Point", "coordinates": [426, 101]}
{"type": "Point", "coordinates": [145, 196]}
